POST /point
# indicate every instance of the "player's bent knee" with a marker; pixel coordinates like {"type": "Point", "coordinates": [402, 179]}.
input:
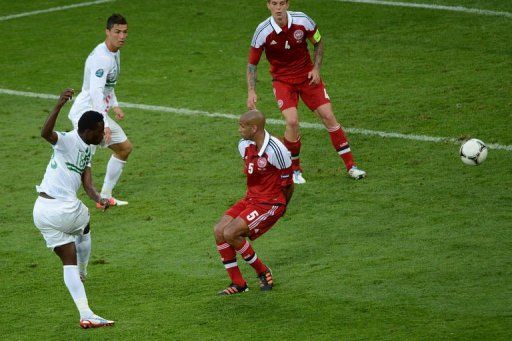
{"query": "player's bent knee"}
{"type": "Point", "coordinates": [291, 117]}
{"type": "Point", "coordinates": [122, 150]}
{"type": "Point", "coordinates": [126, 149]}
{"type": "Point", "coordinates": [129, 147]}
{"type": "Point", "coordinates": [230, 234]}
{"type": "Point", "coordinates": [235, 230]}
{"type": "Point", "coordinates": [218, 232]}
{"type": "Point", "coordinates": [293, 123]}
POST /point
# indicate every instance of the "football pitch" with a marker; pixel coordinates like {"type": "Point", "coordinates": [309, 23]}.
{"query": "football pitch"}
{"type": "Point", "coordinates": [420, 250]}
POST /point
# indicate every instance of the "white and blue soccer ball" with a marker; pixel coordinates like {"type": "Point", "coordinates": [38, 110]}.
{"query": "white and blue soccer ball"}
{"type": "Point", "coordinates": [473, 152]}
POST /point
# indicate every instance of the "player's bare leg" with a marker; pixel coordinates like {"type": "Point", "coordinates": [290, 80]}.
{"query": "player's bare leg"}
{"type": "Point", "coordinates": [228, 258]}
{"type": "Point", "coordinates": [67, 254]}
{"type": "Point", "coordinates": [235, 231]}
{"type": "Point", "coordinates": [218, 229]}
{"type": "Point", "coordinates": [292, 141]}
{"type": "Point", "coordinates": [235, 234]}
{"type": "Point", "coordinates": [121, 152]}
{"type": "Point", "coordinates": [339, 140]}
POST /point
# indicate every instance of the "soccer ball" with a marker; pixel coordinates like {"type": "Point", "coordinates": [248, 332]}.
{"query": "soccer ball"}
{"type": "Point", "coordinates": [473, 152]}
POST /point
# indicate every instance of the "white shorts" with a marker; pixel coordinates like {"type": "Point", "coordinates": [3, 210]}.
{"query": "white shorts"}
{"type": "Point", "coordinates": [60, 221]}
{"type": "Point", "coordinates": [118, 134]}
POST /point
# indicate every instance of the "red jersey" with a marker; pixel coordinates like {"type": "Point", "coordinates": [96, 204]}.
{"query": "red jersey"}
{"type": "Point", "coordinates": [286, 48]}
{"type": "Point", "coordinates": [268, 170]}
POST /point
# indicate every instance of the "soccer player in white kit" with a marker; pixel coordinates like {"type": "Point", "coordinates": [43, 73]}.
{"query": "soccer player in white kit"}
{"type": "Point", "coordinates": [102, 69]}
{"type": "Point", "coordinates": [60, 216]}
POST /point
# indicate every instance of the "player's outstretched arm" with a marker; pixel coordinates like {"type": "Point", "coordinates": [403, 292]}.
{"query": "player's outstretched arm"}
{"type": "Point", "coordinates": [47, 132]}
{"type": "Point", "coordinates": [252, 98]}
{"type": "Point", "coordinates": [91, 190]}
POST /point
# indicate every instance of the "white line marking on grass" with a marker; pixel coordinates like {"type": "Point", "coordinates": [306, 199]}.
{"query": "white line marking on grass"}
{"type": "Point", "coordinates": [189, 112]}
{"type": "Point", "coordinates": [53, 9]}
{"type": "Point", "coordinates": [436, 7]}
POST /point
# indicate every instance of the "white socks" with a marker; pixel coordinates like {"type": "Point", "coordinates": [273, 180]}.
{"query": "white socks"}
{"type": "Point", "coordinates": [83, 251]}
{"type": "Point", "coordinates": [114, 170]}
{"type": "Point", "coordinates": [77, 290]}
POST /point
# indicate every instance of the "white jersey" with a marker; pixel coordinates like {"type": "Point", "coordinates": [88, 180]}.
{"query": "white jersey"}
{"type": "Point", "coordinates": [63, 176]}
{"type": "Point", "coordinates": [102, 69]}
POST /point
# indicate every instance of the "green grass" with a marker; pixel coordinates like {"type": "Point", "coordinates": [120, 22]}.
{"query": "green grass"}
{"type": "Point", "coordinates": [419, 250]}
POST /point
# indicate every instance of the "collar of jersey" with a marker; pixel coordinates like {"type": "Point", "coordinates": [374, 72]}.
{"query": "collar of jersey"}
{"type": "Point", "coordinates": [265, 143]}
{"type": "Point", "coordinates": [275, 25]}
{"type": "Point", "coordinates": [104, 44]}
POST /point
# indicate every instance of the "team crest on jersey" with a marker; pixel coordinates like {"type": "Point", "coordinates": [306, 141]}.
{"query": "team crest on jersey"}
{"type": "Point", "coordinates": [111, 80]}
{"type": "Point", "coordinates": [99, 73]}
{"type": "Point", "coordinates": [298, 35]}
{"type": "Point", "coordinates": [262, 162]}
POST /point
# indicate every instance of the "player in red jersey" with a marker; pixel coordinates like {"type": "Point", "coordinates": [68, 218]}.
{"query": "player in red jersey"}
{"type": "Point", "coordinates": [283, 37]}
{"type": "Point", "coordinates": [267, 165]}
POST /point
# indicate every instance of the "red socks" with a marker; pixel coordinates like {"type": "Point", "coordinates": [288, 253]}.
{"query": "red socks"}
{"type": "Point", "coordinates": [251, 258]}
{"type": "Point", "coordinates": [340, 143]}
{"type": "Point", "coordinates": [338, 140]}
{"type": "Point", "coordinates": [228, 257]}
{"type": "Point", "coordinates": [294, 148]}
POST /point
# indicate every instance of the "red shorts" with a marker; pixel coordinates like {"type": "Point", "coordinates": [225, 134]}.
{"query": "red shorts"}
{"type": "Point", "coordinates": [259, 217]}
{"type": "Point", "coordinates": [287, 94]}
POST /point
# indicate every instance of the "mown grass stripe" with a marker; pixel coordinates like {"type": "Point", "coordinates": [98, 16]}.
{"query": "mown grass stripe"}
{"type": "Point", "coordinates": [53, 9]}
{"type": "Point", "coordinates": [433, 7]}
{"type": "Point", "coordinates": [183, 111]}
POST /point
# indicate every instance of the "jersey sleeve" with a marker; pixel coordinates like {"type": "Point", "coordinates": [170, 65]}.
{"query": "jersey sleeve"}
{"type": "Point", "coordinates": [280, 157]}
{"type": "Point", "coordinates": [258, 43]}
{"type": "Point", "coordinates": [309, 25]}
{"type": "Point", "coordinates": [113, 99]}
{"type": "Point", "coordinates": [255, 55]}
{"type": "Point", "coordinates": [64, 141]}
{"type": "Point", "coordinates": [260, 35]}
{"type": "Point", "coordinates": [99, 69]}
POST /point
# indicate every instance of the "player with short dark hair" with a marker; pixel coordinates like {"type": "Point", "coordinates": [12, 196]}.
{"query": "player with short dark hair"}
{"type": "Point", "coordinates": [101, 72]}
{"type": "Point", "coordinates": [115, 19]}
{"type": "Point", "coordinates": [267, 165]}
{"type": "Point", "coordinates": [60, 216]}
{"type": "Point", "coordinates": [283, 37]}
{"type": "Point", "coordinates": [89, 121]}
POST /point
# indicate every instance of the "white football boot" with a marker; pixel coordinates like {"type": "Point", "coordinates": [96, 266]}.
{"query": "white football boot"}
{"type": "Point", "coordinates": [118, 202]}
{"type": "Point", "coordinates": [95, 321]}
{"type": "Point", "coordinates": [356, 173]}
{"type": "Point", "coordinates": [297, 178]}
